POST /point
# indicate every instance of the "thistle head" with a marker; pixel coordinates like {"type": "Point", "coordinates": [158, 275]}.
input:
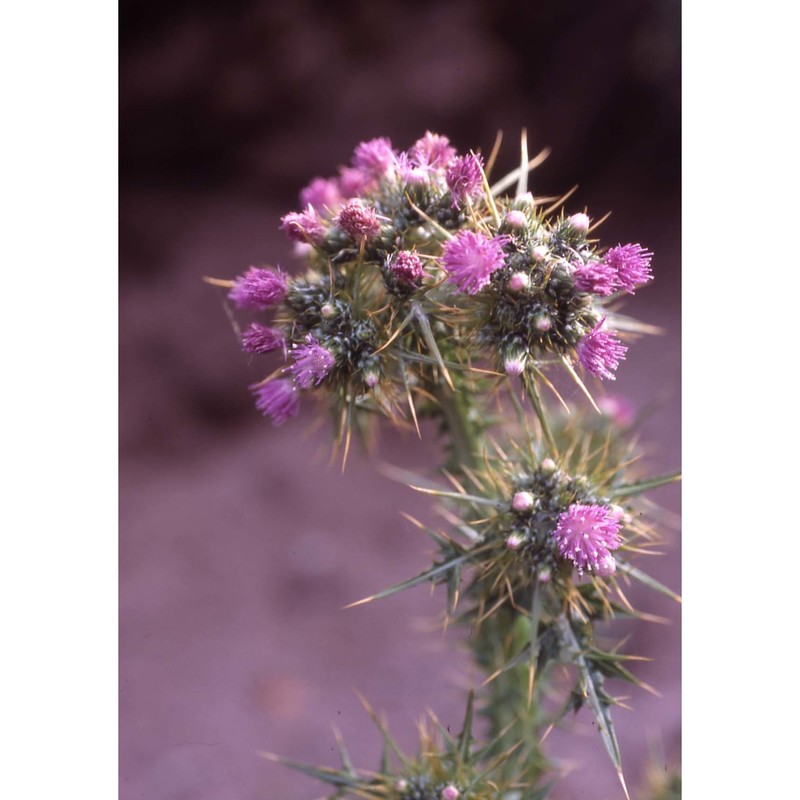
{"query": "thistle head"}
{"type": "Point", "coordinates": [600, 352]}
{"type": "Point", "coordinates": [470, 259]}
{"type": "Point", "coordinates": [259, 288]}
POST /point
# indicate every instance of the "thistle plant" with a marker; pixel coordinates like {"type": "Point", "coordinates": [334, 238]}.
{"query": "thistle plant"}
{"type": "Point", "coordinates": [430, 293]}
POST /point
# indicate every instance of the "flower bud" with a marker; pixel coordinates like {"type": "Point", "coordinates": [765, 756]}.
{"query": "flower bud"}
{"type": "Point", "coordinates": [542, 323]}
{"type": "Point", "coordinates": [516, 219]}
{"type": "Point", "coordinates": [522, 501]}
{"type": "Point", "coordinates": [524, 201]}
{"type": "Point", "coordinates": [371, 377]}
{"type": "Point", "coordinates": [519, 282]}
{"type": "Point", "coordinates": [328, 311]}
{"type": "Point", "coordinates": [515, 364]}
{"type": "Point", "coordinates": [579, 223]}
{"type": "Point", "coordinates": [514, 541]}
{"type": "Point", "coordinates": [539, 252]}
{"type": "Point", "coordinates": [450, 793]}
{"type": "Point", "coordinates": [607, 567]}
{"type": "Point", "coordinates": [549, 465]}
{"type": "Point", "coordinates": [401, 785]}
{"type": "Point", "coordinates": [544, 575]}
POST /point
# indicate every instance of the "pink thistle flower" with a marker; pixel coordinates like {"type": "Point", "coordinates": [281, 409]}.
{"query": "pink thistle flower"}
{"type": "Point", "coordinates": [354, 182]}
{"type": "Point", "coordinates": [375, 157]}
{"type": "Point", "coordinates": [470, 259]}
{"type": "Point", "coordinates": [432, 150]}
{"type": "Point", "coordinates": [312, 363]}
{"type": "Point", "coordinates": [407, 267]}
{"type": "Point", "coordinates": [600, 352]}
{"type": "Point", "coordinates": [410, 172]}
{"type": "Point", "coordinates": [596, 277]}
{"type": "Point", "coordinates": [464, 178]}
{"type": "Point", "coordinates": [260, 339]}
{"type": "Point", "coordinates": [259, 288]}
{"type": "Point", "coordinates": [277, 399]}
{"type": "Point", "coordinates": [631, 263]}
{"type": "Point", "coordinates": [618, 409]}
{"type": "Point", "coordinates": [322, 194]}
{"type": "Point", "coordinates": [585, 534]}
{"type": "Point", "coordinates": [303, 226]}
{"type": "Point", "coordinates": [358, 221]}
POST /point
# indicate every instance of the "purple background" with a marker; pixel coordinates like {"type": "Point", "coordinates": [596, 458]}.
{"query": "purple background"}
{"type": "Point", "coordinates": [239, 544]}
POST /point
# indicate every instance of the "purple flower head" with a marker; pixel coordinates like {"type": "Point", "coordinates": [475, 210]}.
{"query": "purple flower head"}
{"type": "Point", "coordinates": [259, 288]}
{"type": "Point", "coordinates": [432, 150]}
{"type": "Point", "coordinates": [618, 409]}
{"type": "Point", "coordinates": [376, 157]}
{"type": "Point", "coordinates": [277, 399]}
{"type": "Point", "coordinates": [260, 339]}
{"type": "Point", "coordinates": [600, 352]}
{"type": "Point", "coordinates": [406, 266]}
{"type": "Point", "coordinates": [596, 277]}
{"type": "Point", "coordinates": [322, 194]}
{"type": "Point", "coordinates": [312, 363]}
{"type": "Point", "coordinates": [354, 182]}
{"type": "Point", "coordinates": [303, 226]}
{"type": "Point", "coordinates": [410, 172]}
{"type": "Point", "coordinates": [631, 263]}
{"type": "Point", "coordinates": [358, 220]}
{"type": "Point", "coordinates": [585, 534]}
{"type": "Point", "coordinates": [470, 258]}
{"type": "Point", "coordinates": [464, 177]}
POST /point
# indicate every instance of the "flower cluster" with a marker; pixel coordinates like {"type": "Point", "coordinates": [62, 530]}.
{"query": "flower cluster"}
{"type": "Point", "coordinates": [416, 269]}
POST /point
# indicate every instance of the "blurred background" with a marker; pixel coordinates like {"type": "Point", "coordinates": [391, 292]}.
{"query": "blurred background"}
{"type": "Point", "coordinates": [239, 542]}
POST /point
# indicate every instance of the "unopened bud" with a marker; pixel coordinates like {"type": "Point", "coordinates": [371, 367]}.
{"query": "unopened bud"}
{"type": "Point", "coordinates": [450, 793]}
{"type": "Point", "coordinates": [544, 575]}
{"type": "Point", "coordinates": [539, 252]}
{"type": "Point", "coordinates": [514, 365]}
{"type": "Point", "coordinates": [607, 567]}
{"type": "Point", "coordinates": [401, 785]}
{"type": "Point", "coordinates": [371, 377]}
{"type": "Point", "coordinates": [514, 541]}
{"type": "Point", "coordinates": [328, 311]}
{"type": "Point", "coordinates": [549, 465]}
{"type": "Point", "coordinates": [579, 222]}
{"type": "Point", "coordinates": [522, 501]}
{"type": "Point", "coordinates": [519, 282]}
{"type": "Point", "coordinates": [542, 323]}
{"type": "Point", "coordinates": [516, 219]}
{"type": "Point", "coordinates": [524, 201]}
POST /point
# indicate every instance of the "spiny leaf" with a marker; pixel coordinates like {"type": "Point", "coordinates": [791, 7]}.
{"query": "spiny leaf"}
{"type": "Point", "coordinates": [644, 578]}
{"type": "Point", "coordinates": [331, 776]}
{"type": "Point", "coordinates": [465, 737]}
{"type": "Point", "coordinates": [594, 694]}
{"type": "Point", "coordinates": [628, 489]}
{"type": "Point", "coordinates": [421, 578]}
